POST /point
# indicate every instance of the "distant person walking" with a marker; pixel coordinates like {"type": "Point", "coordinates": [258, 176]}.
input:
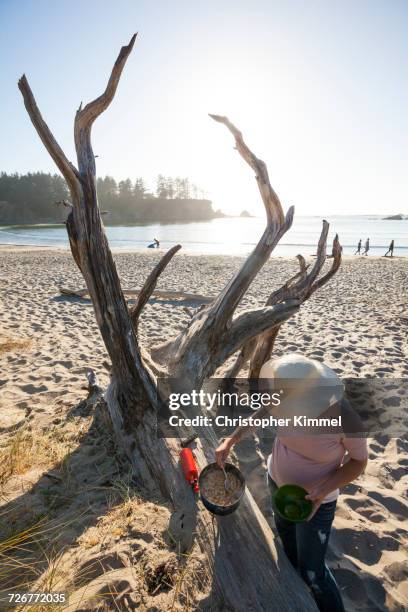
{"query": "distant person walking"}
{"type": "Point", "coordinates": [366, 247]}
{"type": "Point", "coordinates": [391, 249]}
{"type": "Point", "coordinates": [358, 252]}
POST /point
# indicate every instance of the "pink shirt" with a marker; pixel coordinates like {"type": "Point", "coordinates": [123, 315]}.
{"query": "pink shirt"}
{"type": "Point", "coordinates": [308, 459]}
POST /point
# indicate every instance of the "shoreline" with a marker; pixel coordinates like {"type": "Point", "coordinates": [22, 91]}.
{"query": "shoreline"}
{"type": "Point", "coordinates": [8, 247]}
{"type": "Point", "coordinates": [234, 236]}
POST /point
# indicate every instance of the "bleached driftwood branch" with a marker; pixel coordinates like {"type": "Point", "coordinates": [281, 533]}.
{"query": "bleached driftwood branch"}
{"type": "Point", "coordinates": [211, 330]}
{"type": "Point", "coordinates": [301, 286]}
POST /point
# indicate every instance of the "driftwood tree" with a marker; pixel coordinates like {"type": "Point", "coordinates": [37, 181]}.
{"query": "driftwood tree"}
{"type": "Point", "coordinates": [301, 286]}
{"type": "Point", "coordinates": [241, 550]}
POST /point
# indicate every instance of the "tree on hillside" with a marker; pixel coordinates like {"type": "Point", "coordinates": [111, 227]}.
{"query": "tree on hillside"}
{"type": "Point", "coordinates": [125, 188]}
{"type": "Point", "coordinates": [161, 187]}
{"type": "Point", "coordinates": [107, 190]}
{"type": "Point", "coordinates": [194, 191]}
{"type": "Point", "coordinates": [139, 189]}
{"type": "Point", "coordinates": [177, 187]}
{"type": "Point", "coordinates": [31, 197]}
{"type": "Point", "coordinates": [185, 189]}
{"type": "Point", "coordinates": [249, 569]}
{"type": "Point", "coordinates": [170, 187]}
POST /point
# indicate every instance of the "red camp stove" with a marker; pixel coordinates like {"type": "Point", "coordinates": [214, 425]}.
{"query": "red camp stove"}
{"type": "Point", "coordinates": [189, 468]}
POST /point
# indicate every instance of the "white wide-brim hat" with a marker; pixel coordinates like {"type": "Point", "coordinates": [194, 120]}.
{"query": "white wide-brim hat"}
{"type": "Point", "coordinates": [309, 387]}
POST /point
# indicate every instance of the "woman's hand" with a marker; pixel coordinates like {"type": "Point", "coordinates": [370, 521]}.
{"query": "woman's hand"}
{"type": "Point", "coordinates": [348, 472]}
{"type": "Point", "coordinates": [222, 452]}
{"type": "Point", "coordinates": [317, 493]}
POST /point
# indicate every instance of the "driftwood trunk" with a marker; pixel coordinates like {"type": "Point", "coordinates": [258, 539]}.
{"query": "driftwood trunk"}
{"type": "Point", "coordinates": [250, 571]}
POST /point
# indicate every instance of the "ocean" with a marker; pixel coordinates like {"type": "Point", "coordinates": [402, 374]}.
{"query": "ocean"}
{"type": "Point", "coordinates": [232, 236]}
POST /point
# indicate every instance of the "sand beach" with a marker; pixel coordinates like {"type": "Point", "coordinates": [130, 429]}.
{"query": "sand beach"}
{"type": "Point", "coordinates": [67, 500]}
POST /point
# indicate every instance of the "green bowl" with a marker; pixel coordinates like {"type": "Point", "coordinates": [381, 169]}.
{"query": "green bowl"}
{"type": "Point", "coordinates": [290, 503]}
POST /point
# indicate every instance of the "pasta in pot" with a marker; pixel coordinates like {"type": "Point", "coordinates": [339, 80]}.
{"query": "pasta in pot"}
{"type": "Point", "coordinates": [213, 489]}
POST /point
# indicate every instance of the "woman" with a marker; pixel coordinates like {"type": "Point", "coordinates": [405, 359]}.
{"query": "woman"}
{"type": "Point", "coordinates": [321, 463]}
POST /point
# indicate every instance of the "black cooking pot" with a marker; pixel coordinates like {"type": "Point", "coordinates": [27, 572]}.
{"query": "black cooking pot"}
{"type": "Point", "coordinates": [215, 508]}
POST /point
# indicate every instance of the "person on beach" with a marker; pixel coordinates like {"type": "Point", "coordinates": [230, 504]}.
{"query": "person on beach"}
{"type": "Point", "coordinates": [366, 247]}
{"type": "Point", "coordinates": [358, 252]}
{"type": "Point", "coordinates": [154, 245]}
{"type": "Point", "coordinates": [391, 249]}
{"type": "Point", "coordinates": [321, 464]}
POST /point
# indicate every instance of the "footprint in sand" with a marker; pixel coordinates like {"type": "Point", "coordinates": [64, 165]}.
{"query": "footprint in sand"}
{"type": "Point", "coordinates": [402, 445]}
{"type": "Point", "coordinates": [350, 585]}
{"type": "Point", "coordinates": [393, 505]}
{"type": "Point", "coordinates": [358, 364]}
{"type": "Point", "coordinates": [365, 508]}
{"type": "Point", "coordinates": [365, 546]}
{"type": "Point", "coordinates": [31, 389]}
{"type": "Point", "coordinates": [351, 489]}
{"type": "Point", "coordinates": [396, 473]}
{"type": "Point", "coordinates": [397, 571]}
{"type": "Point", "coordinates": [394, 401]}
{"type": "Point", "coordinates": [376, 595]}
{"type": "Point", "coordinates": [382, 440]}
{"type": "Point", "coordinates": [66, 364]}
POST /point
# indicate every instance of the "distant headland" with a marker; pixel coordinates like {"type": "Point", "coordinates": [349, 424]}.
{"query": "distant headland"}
{"type": "Point", "coordinates": [32, 198]}
{"type": "Point", "coordinates": [395, 218]}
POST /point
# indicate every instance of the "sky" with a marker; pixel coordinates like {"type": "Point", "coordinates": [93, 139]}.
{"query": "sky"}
{"type": "Point", "coordinates": [319, 89]}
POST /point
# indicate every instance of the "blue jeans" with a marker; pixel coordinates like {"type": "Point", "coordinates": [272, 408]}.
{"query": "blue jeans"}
{"type": "Point", "coordinates": [305, 545]}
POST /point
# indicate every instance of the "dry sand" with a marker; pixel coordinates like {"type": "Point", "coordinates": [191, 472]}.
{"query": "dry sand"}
{"type": "Point", "coordinates": [61, 479]}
